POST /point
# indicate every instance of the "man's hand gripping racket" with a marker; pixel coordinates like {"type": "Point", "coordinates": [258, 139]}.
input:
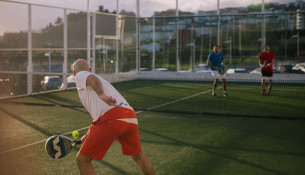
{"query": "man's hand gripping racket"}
{"type": "Point", "coordinates": [264, 65]}
{"type": "Point", "coordinates": [221, 70]}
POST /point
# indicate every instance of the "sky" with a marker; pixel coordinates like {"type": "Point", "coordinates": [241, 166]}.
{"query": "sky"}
{"type": "Point", "coordinates": [13, 16]}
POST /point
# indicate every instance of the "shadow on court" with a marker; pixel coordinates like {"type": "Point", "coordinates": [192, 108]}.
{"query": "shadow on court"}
{"type": "Point", "coordinates": [218, 155]}
{"type": "Point", "coordinates": [37, 128]}
{"type": "Point", "coordinates": [109, 165]}
{"type": "Point", "coordinates": [53, 100]}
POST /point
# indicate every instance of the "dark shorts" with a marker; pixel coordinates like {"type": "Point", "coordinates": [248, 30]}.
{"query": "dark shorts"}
{"type": "Point", "coordinates": [267, 73]}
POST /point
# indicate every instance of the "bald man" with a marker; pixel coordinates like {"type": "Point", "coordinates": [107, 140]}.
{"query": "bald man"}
{"type": "Point", "coordinates": [113, 119]}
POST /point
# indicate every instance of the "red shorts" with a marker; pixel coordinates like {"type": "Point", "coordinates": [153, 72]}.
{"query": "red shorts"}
{"type": "Point", "coordinates": [108, 128]}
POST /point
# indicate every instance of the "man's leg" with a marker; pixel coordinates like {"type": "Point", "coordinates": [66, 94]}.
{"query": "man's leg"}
{"type": "Point", "coordinates": [214, 87]}
{"type": "Point", "coordinates": [84, 164]}
{"type": "Point", "coordinates": [144, 163]}
{"type": "Point", "coordinates": [224, 85]}
{"type": "Point", "coordinates": [263, 87]}
{"type": "Point", "coordinates": [215, 84]}
{"type": "Point", "coordinates": [270, 86]}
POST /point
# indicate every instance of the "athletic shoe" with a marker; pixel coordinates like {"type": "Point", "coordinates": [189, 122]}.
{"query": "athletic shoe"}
{"type": "Point", "coordinates": [263, 92]}
{"type": "Point", "coordinates": [225, 94]}
{"type": "Point", "coordinates": [213, 93]}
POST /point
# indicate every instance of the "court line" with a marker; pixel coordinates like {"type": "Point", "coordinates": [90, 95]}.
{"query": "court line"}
{"type": "Point", "coordinates": [274, 89]}
{"type": "Point", "coordinates": [178, 100]}
{"type": "Point", "coordinates": [138, 112]}
{"type": "Point", "coordinates": [18, 148]}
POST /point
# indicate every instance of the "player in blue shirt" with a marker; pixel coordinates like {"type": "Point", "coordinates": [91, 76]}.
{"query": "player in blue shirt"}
{"type": "Point", "coordinates": [216, 61]}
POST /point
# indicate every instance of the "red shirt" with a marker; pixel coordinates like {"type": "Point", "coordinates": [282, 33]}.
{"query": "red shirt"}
{"type": "Point", "coordinates": [267, 56]}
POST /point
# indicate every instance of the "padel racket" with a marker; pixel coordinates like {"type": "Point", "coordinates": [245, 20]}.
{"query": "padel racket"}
{"type": "Point", "coordinates": [265, 62]}
{"type": "Point", "coordinates": [59, 146]}
{"type": "Point", "coordinates": [221, 70]}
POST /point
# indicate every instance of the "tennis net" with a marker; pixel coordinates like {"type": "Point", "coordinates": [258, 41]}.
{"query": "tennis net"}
{"type": "Point", "coordinates": [192, 93]}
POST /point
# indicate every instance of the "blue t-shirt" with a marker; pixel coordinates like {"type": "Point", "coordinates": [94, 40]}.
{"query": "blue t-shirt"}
{"type": "Point", "coordinates": [216, 60]}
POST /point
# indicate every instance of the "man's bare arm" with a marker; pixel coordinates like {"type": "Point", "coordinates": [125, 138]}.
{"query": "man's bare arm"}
{"type": "Point", "coordinates": [210, 65]}
{"type": "Point", "coordinates": [223, 64]}
{"type": "Point", "coordinates": [97, 86]}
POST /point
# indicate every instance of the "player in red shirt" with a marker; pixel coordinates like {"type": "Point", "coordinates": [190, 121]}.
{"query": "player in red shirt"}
{"type": "Point", "coordinates": [265, 61]}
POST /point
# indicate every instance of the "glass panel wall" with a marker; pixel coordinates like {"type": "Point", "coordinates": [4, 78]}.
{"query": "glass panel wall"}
{"type": "Point", "coordinates": [127, 44]}
{"type": "Point", "coordinates": [128, 7]}
{"type": "Point", "coordinates": [146, 44]}
{"type": "Point", "coordinates": [77, 29]}
{"type": "Point", "coordinates": [73, 55]}
{"type": "Point", "coordinates": [105, 55]}
{"type": "Point", "coordinates": [232, 7]}
{"type": "Point", "coordinates": [12, 84]}
{"type": "Point", "coordinates": [241, 31]}
{"type": "Point", "coordinates": [14, 25]}
{"type": "Point", "coordinates": [241, 40]}
{"type": "Point", "coordinates": [165, 55]}
{"type": "Point", "coordinates": [13, 60]}
{"type": "Point", "coordinates": [47, 61]}
{"type": "Point", "coordinates": [105, 30]}
{"type": "Point", "coordinates": [149, 8]}
{"type": "Point", "coordinates": [46, 82]}
{"type": "Point", "coordinates": [194, 7]}
{"type": "Point", "coordinates": [47, 27]}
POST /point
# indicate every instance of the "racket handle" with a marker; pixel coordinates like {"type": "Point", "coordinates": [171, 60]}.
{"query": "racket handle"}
{"type": "Point", "coordinates": [77, 142]}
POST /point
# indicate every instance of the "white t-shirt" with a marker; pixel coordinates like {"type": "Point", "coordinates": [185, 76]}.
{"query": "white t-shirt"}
{"type": "Point", "coordinates": [94, 105]}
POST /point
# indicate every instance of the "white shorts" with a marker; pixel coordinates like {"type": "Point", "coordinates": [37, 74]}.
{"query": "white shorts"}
{"type": "Point", "coordinates": [216, 74]}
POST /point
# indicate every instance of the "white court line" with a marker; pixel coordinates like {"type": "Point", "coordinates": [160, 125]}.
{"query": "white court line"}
{"type": "Point", "coordinates": [179, 100]}
{"type": "Point", "coordinates": [18, 148]}
{"type": "Point", "coordinates": [273, 89]}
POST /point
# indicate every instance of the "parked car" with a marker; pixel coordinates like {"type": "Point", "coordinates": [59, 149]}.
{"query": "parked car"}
{"type": "Point", "coordinates": [51, 82]}
{"type": "Point", "coordinates": [160, 70]}
{"type": "Point", "coordinates": [236, 70]}
{"type": "Point", "coordinates": [299, 67]}
{"type": "Point", "coordinates": [70, 82]}
{"type": "Point", "coordinates": [288, 68]}
{"type": "Point", "coordinates": [141, 69]}
{"type": "Point", "coordinates": [201, 68]}
{"type": "Point", "coordinates": [256, 71]}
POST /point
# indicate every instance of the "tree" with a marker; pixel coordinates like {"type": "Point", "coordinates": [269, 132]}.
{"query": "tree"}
{"type": "Point", "coordinates": [59, 21]}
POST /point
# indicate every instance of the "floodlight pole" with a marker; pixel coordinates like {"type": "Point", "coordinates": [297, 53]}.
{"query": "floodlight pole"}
{"type": "Point", "coordinates": [194, 52]}
{"type": "Point", "coordinates": [201, 46]}
{"type": "Point", "coordinates": [263, 25]}
{"type": "Point", "coordinates": [65, 67]}
{"type": "Point", "coordinates": [49, 58]}
{"type": "Point", "coordinates": [117, 38]}
{"type": "Point", "coordinates": [29, 68]}
{"type": "Point", "coordinates": [88, 34]}
{"type": "Point", "coordinates": [298, 45]}
{"type": "Point", "coordinates": [230, 50]}
{"type": "Point", "coordinates": [299, 26]}
{"type": "Point", "coordinates": [153, 46]}
{"type": "Point", "coordinates": [49, 55]}
{"type": "Point", "coordinates": [137, 37]}
{"type": "Point", "coordinates": [239, 38]}
{"type": "Point", "coordinates": [218, 23]}
{"type": "Point", "coordinates": [177, 38]}
{"type": "Point", "coordinates": [93, 42]}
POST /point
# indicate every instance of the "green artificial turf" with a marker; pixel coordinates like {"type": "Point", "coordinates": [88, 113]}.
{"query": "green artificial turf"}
{"type": "Point", "coordinates": [189, 137]}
